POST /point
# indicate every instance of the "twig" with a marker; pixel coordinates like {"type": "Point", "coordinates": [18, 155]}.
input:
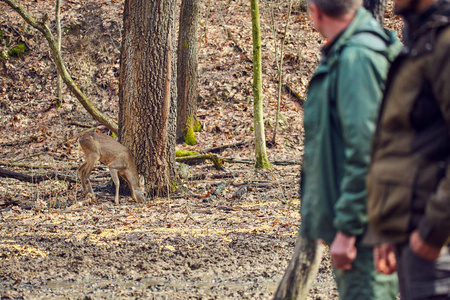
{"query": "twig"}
{"type": "Point", "coordinates": [74, 137]}
{"type": "Point", "coordinates": [29, 156]}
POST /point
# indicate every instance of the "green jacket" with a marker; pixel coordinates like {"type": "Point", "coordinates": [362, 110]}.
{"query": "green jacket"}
{"type": "Point", "coordinates": [339, 120]}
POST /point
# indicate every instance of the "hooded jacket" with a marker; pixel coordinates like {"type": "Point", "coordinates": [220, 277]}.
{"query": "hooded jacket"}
{"type": "Point", "coordinates": [339, 120]}
{"type": "Point", "coordinates": [409, 180]}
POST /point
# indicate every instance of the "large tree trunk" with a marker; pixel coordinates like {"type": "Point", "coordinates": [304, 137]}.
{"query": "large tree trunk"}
{"type": "Point", "coordinates": [147, 115]}
{"type": "Point", "coordinates": [262, 161]}
{"type": "Point", "coordinates": [376, 7]}
{"type": "Point", "coordinates": [302, 270]}
{"type": "Point", "coordinates": [187, 71]}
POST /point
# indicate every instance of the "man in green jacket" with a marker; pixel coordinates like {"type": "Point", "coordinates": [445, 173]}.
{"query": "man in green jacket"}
{"type": "Point", "coordinates": [339, 119]}
{"type": "Point", "coordinates": [409, 179]}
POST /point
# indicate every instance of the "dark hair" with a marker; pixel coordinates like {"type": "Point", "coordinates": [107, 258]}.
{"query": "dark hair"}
{"type": "Point", "coordinates": [337, 8]}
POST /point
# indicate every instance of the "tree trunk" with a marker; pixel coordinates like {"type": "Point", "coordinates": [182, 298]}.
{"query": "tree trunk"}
{"type": "Point", "coordinates": [58, 40]}
{"type": "Point", "coordinates": [261, 158]}
{"type": "Point", "coordinates": [147, 107]}
{"type": "Point", "coordinates": [302, 270]}
{"type": "Point", "coordinates": [376, 7]}
{"type": "Point", "coordinates": [187, 71]}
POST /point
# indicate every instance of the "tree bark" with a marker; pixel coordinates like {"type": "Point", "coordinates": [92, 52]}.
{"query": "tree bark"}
{"type": "Point", "coordinates": [261, 159]}
{"type": "Point", "coordinates": [301, 271]}
{"type": "Point", "coordinates": [187, 83]}
{"type": "Point", "coordinates": [45, 30]}
{"type": "Point", "coordinates": [376, 7]}
{"type": "Point", "coordinates": [147, 92]}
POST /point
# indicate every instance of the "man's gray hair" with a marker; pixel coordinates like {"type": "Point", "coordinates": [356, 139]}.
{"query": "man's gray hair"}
{"type": "Point", "coordinates": [337, 8]}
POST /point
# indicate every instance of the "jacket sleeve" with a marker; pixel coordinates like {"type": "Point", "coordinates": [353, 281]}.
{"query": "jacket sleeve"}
{"type": "Point", "coordinates": [361, 75]}
{"type": "Point", "coordinates": [434, 227]}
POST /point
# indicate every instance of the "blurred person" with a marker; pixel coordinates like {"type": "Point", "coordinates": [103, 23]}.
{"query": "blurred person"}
{"type": "Point", "coordinates": [409, 178]}
{"type": "Point", "coordinates": [339, 120]}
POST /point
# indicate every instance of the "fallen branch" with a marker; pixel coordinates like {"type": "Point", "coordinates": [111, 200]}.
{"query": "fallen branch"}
{"type": "Point", "coordinates": [218, 161]}
{"type": "Point", "coordinates": [250, 162]}
{"type": "Point", "coordinates": [25, 166]}
{"type": "Point", "coordinates": [221, 148]}
{"type": "Point", "coordinates": [34, 178]}
{"type": "Point", "coordinates": [295, 94]}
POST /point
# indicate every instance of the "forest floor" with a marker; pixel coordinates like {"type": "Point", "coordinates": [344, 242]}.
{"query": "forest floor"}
{"type": "Point", "coordinates": [187, 246]}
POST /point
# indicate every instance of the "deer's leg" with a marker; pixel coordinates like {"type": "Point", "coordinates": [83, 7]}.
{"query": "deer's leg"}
{"type": "Point", "coordinates": [85, 171]}
{"type": "Point", "coordinates": [115, 178]}
{"type": "Point", "coordinates": [80, 173]}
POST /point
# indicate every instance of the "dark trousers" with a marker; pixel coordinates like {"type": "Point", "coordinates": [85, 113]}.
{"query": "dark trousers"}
{"type": "Point", "coordinates": [422, 279]}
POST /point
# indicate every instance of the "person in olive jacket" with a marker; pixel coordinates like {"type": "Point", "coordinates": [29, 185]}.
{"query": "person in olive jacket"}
{"type": "Point", "coordinates": [409, 179]}
{"type": "Point", "coordinates": [339, 120]}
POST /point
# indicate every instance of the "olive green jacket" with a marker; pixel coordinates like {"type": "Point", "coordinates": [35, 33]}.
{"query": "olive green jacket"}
{"type": "Point", "coordinates": [409, 180]}
{"type": "Point", "coordinates": [339, 120]}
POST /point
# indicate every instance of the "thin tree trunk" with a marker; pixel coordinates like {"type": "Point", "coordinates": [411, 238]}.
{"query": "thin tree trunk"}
{"type": "Point", "coordinates": [187, 71]}
{"type": "Point", "coordinates": [58, 40]}
{"type": "Point", "coordinates": [147, 95]}
{"type": "Point", "coordinates": [279, 63]}
{"type": "Point", "coordinates": [301, 271]}
{"type": "Point", "coordinates": [261, 158]}
{"type": "Point", "coordinates": [45, 30]}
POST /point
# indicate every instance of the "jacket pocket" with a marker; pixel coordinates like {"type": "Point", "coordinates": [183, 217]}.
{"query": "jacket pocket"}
{"type": "Point", "coordinates": [390, 193]}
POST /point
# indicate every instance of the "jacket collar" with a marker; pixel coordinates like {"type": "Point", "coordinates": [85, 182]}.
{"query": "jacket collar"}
{"type": "Point", "coordinates": [420, 31]}
{"type": "Point", "coordinates": [331, 51]}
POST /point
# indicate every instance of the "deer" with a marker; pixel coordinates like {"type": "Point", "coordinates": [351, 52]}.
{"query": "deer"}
{"type": "Point", "coordinates": [101, 147]}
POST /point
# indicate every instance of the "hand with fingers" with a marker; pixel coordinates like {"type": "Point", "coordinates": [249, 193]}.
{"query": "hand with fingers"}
{"type": "Point", "coordinates": [384, 258]}
{"type": "Point", "coordinates": [422, 248]}
{"type": "Point", "coordinates": [343, 251]}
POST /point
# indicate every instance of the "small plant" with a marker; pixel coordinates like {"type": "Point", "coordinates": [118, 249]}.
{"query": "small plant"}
{"type": "Point", "coordinates": [18, 50]}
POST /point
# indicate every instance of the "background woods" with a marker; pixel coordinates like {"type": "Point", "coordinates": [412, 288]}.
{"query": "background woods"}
{"type": "Point", "coordinates": [222, 233]}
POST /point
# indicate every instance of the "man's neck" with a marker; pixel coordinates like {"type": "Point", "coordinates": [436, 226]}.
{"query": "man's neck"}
{"type": "Point", "coordinates": [336, 26]}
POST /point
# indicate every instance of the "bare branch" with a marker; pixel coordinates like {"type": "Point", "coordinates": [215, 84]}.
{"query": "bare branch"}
{"type": "Point", "coordinates": [45, 30]}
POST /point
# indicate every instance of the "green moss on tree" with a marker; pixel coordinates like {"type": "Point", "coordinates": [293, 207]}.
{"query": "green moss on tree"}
{"type": "Point", "coordinates": [192, 126]}
{"type": "Point", "coordinates": [183, 153]}
{"type": "Point", "coordinates": [197, 126]}
{"type": "Point", "coordinates": [189, 138]}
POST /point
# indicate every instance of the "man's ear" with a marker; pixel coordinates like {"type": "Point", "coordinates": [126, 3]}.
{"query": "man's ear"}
{"type": "Point", "coordinates": [317, 13]}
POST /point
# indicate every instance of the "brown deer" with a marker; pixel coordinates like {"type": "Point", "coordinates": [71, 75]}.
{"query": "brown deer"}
{"type": "Point", "coordinates": [100, 147]}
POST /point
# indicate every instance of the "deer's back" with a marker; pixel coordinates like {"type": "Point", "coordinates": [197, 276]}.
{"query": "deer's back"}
{"type": "Point", "coordinates": [105, 146]}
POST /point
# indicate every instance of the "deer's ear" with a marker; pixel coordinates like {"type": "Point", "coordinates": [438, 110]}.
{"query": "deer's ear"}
{"type": "Point", "coordinates": [141, 180]}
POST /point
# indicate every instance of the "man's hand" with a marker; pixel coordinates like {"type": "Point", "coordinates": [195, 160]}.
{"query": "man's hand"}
{"type": "Point", "coordinates": [384, 258]}
{"type": "Point", "coordinates": [343, 251]}
{"type": "Point", "coordinates": [421, 248]}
